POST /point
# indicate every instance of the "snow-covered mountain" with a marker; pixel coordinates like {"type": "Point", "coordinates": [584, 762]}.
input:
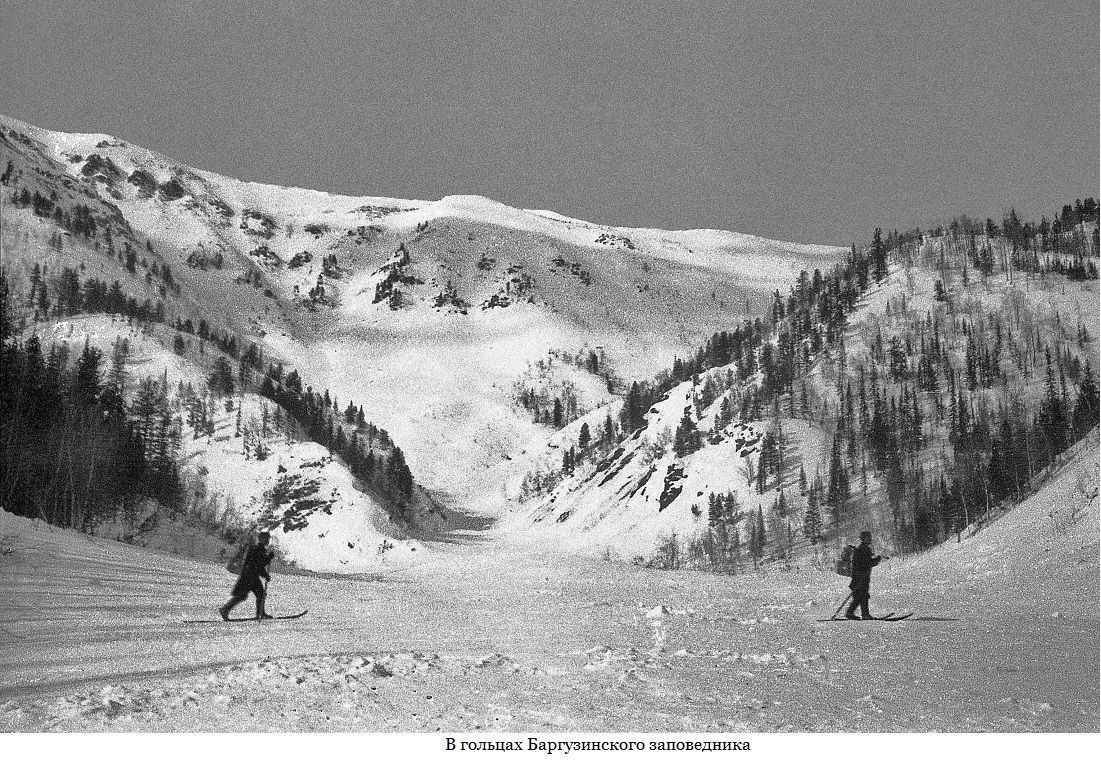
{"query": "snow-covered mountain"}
{"type": "Point", "coordinates": [702, 401]}
{"type": "Point", "coordinates": [941, 379]}
{"type": "Point", "coordinates": [432, 315]}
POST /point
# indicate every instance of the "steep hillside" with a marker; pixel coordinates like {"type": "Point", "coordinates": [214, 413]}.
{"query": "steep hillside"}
{"type": "Point", "coordinates": [242, 461]}
{"type": "Point", "coordinates": [912, 395]}
{"type": "Point", "coordinates": [426, 314]}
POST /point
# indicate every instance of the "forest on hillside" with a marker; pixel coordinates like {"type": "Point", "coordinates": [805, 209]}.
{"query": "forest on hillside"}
{"type": "Point", "coordinates": [82, 443]}
{"type": "Point", "coordinates": [943, 391]}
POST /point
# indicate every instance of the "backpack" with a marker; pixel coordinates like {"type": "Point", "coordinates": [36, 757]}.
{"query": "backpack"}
{"type": "Point", "coordinates": [845, 563]}
{"type": "Point", "coordinates": [237, 562]}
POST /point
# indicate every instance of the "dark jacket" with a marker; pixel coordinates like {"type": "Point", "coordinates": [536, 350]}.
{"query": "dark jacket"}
{"type": "Point", "coordinates": [863, 562]}
{"type": "Point", "coordinates": [253, 569]}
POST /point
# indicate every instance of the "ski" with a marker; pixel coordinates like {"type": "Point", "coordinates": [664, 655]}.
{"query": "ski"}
{"type": "Point", "coordinates": [888, 618]}
{"type": "Point", "coordinates": [245, 620]}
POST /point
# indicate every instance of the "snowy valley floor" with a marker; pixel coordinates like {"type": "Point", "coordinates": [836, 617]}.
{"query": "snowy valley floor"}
{"type": "Point", "coordinates": [1005, 638]}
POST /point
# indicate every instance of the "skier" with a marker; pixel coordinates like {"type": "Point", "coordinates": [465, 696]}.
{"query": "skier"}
{"type": "Point", "coordinates": [254, 567]}
{"type": "Point", "coordinates": [861, 583]}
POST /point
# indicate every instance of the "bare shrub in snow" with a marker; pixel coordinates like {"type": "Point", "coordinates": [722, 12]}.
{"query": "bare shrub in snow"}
{"type": "Point", "coordinates": [1085, 493]}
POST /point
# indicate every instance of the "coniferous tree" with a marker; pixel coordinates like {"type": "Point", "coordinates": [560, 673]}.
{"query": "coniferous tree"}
{"type": "Point", "coordinates": [584, 437]}
{"type": "Point", "coordinates": [838, 492]}
{"type": "Point", "coordinates": [812, 517]}
{"type": "Point", "coordinates": [760, 537]}
{"type": "Point", "coordinates": [1053, 416]}
{"type": "Point", "coordinates": [687, 439]}
{"type": "Point", "coordinates": [398, 474]}
{"type": "Point", "coordinates": [756, 539]}
{"type": "Point", "coordinates": [221, 380]}
{"type": "Point", "coordinates": [879, 257]}
{"type": "Point", "coordinates": [1086, 407]}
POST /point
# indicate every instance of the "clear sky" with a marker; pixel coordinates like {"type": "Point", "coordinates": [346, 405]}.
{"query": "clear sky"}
{"type": "Point", "coordinates": [809, 121]}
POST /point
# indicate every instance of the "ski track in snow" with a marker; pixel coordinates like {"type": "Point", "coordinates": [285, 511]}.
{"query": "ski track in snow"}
{"type": "Point", "coordinates": [493, 638]}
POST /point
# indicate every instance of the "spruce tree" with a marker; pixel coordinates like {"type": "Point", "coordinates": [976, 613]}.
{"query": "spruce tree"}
{"type": "Point", "coordinates": [838, 492]}
{"type": "Point", "coordinates": [812, 517]}
{"type": "Point", "coordinates": [687, 439]}
{"type": "Point", "coordinates": [760, 537]}
{"type": "Point", "coordinates": [879, 257]}
{"type": "Point", "coordinates": [1086, 407]}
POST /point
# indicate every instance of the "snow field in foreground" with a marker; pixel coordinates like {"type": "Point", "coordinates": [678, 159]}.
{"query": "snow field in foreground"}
{"type": "Point", "coordinates": [94, 641]}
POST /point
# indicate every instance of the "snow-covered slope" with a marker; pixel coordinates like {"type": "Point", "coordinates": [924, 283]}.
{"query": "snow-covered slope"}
{"type": "Point", "coordinates": [321, 518]}
{"type": "Point", "coordinates": [1043, 552]}
{"type": "Point", "coordinates": [623, 503]}
{"type": "Point", "coordinates": [1004, 638]}
{"type": "Point", "coordinates": [643, 497]}
{"type": "Point", "coordinates": [478, 291]}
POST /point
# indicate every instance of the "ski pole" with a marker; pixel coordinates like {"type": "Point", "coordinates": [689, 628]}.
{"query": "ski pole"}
{"type": "Point", "coordinates": [842, 607]}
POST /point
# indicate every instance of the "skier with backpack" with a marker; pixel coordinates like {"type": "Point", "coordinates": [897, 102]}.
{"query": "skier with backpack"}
{"type": "Point", "coordinates": [253, 567]}
{"type": "Point", "coordinates": [862, 560]}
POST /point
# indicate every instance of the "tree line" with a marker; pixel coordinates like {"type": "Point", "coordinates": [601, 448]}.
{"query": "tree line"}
{"type": "Point", "coordinates": [935, 417]}
{"type": "Point", "coordinates": [73, 449]}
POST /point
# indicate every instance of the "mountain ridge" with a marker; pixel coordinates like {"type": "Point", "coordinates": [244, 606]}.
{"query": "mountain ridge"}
{"type": "Point", "coordinates": [461, 199]}
{"type": "Point", "coordinates": [430, 315]}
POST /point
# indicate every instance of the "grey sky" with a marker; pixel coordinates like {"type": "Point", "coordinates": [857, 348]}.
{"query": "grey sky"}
{"type": "Point", "coordinates": [793, 120]}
